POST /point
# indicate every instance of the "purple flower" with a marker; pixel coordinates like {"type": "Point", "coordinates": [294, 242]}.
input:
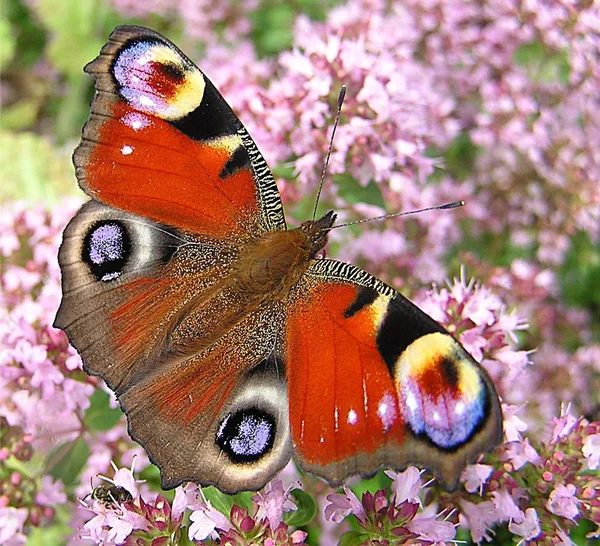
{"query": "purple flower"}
{"type": "Point", "coordinates": [340, 506]}
{"type": "Point", "coordinates": [475, 477]}
{"type": "Point", "coordinates": [205, 521]}
{"type": "Point", "coordinates": [272, 502]}
{"type": "Point", "coordinates": [11, 525]}
{"type": "Point", "coordinates": [591, 451]}
{"type": "Point", "coordinates": [405, 485]}
{"type": "Point", "coordinates": [563, 501]}
{"type": "Point", "coordinates": [529, 528]}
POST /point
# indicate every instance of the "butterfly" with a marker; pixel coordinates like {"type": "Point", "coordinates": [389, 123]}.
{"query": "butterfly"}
{"type": "Point", "coordinates": [231, 343]}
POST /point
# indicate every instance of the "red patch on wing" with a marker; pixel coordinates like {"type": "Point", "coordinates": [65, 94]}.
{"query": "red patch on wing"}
{"type": "Point", "coordinates": [189, 389]}
{"type": "Point", "coordinates": [162, 77]}
{"type": "Point", "coordinates": [146, 166]}
{"type": "Point", "coordinates": [342, 398]}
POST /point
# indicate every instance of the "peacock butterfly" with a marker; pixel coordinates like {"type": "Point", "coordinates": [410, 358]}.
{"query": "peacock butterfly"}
{"type": "Point", "coordinates": [230, 343]}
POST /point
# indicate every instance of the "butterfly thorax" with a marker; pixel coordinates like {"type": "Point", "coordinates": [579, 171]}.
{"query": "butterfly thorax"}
{"type": "Point", "coordinates": [271, 265]}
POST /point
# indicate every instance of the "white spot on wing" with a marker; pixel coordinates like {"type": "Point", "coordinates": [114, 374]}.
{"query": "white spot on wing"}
{"type": "Point", "coordinates": [144, 100]}
{"type": "Point", "coordinates": [352, 417]}
{"type": "Point", "coordinates": [387, 411]}
{"type": "Point", "coordinates": [127, 150]}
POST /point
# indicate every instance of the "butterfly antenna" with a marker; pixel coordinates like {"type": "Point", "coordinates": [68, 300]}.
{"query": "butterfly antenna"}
{"type": "Point", "coordinates": [452, 205]}
{"type": "Point", "coordinates": [341, 97]}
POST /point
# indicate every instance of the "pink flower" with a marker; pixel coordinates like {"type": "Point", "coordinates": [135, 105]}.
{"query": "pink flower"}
{"type": "Point", "coordinates": [505, 506]}
{"type": "Point", "coordinates": [520, 453]}
{"type": "Point", "coordinates": [475, 477]}
{"type": "Point", "coordinates": [109, 527]}
{"type": "Point", "coordinates": [478, 518]}
{"type": "Point", "coordinates": [591, 451]}
{"type": "Point", "coordinates": [11, 525]}
{"type": "Point", "coordinates": [563, 425]}
{"type": "Point", "coordinates": [529, 528]}
{"type": "Point", "coordinates": [51, 492]}
{"type": "Point", "coordinates": [513, 425]}
{"type": "Point", "coordinates": [272, 502]}
{"type": "Point", "coordinates": [205, 521]}
{"type": "Point", "coordinates": [431, 529]}
{"type": "Point", "coordinates": [405, 485]}
{"type": "Point", "coordinates": [563, 502]}
{"type": "Point", "coordinates": [341, 506]}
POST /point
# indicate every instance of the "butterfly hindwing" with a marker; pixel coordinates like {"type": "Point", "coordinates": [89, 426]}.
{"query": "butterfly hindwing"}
{"type": "Point", "coordinates": [190, 363]}
{"type": "Point", "coordinates": [374, 381]}
{"type": "Point", "coordinates": [162, 142]}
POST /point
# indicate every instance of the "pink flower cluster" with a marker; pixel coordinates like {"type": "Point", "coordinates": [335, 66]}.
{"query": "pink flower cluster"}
{"type": "Point", "coordinates": [44, 393]}
{"type": "Point", "coordinates": [42, 404]}
{"type": "Point", "coordinates": [201, 18]}
{"type": "Point", "coordinates": [137, 521]}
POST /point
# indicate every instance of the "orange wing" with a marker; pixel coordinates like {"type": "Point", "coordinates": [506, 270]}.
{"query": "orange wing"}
{"type": "Point", "coordinates": [163, 143]}
{"type": "Point", "coordinates": [374, 381]}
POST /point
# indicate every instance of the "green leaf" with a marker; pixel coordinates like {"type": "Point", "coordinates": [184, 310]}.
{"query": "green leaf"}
{"type": "Point", "coordinates": [42, 536]}
{"type": "Point", "coordinates": [21, 115]}
{"type": "Point", "coordinates": [100, 416]}
{"type": "Point", "coordinates": [307, 509]}
{"type": "Point", "coordinates": [301, 210]}
{"type": "Point", "coordinates": [220, 501]}
{"type": "Point", "coordinates": [352, 192]}
{"type": "Point", "coordinates": [30, 35]}
{"type": "Point", "coordinates": [33, 169]}
{"type": "Point", "coordinates": [542, 64]}
{"type": "Point", "coordinates": [459, 157]}
{"type": "Point", "coordinates": [8, 42]}
{"type": "Point", "coordinates": [354, 538]}
{"type": "Point", "coordinates": [580, 274]}
{"type": "Point", "coordinates": [73, 42]}
{"type": "Point", "coordinates": [374, 484]}
{"type": "Point", "coordinates": [272, 28]}
{"type": "Point", "coordinates": [67, 460]}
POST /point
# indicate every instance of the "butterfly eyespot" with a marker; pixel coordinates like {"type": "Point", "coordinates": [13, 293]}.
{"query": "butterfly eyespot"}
{"type": "Point", "coordinates": [106, 250]}
{"type": "Point", "coordinates": [246, 435]}
{"type": "Point", "coordinates": [156, 80]}
{"type": "Point", "coordinates": [442, 396]}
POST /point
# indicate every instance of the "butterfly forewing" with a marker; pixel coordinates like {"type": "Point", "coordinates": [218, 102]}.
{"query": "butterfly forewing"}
{"type": "Point", "coordinates": [162, 142]}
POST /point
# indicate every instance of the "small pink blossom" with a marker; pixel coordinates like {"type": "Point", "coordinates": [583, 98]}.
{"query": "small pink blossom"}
{"type": "Point", "coordinates": [506, 507]}
{"type": "Point", "coordinates": [563, 501]}
{"type": "Point", "coordinates": [591, 451]}
{"type": "Point", "coordinates": [520, 453]}
{"type": "Point", "coordinates": [431, 529]}
{"type": "Point", "coordinates": [513, 425]}
{"type": "Point", "coordinates": [563, 425]}
{"type": "Point", "coordinates": [272, 502]}
{"type": "Point", "coordinates": [51, 492]}
{"type": "Point", "coordinates": [478, 518]}
{"type": "Point", "coordinates": [341, 506]}
{"type": "Point", "coordinates": [405, 485]}
{"type": "Point", "coordinates": [529, 528]}
{"type": "Point", "coordinates": [11, 525]}
{"type": "Point", "coordinates": [476, 476]}
{"type": "Point", "coordinates": [205, 521]}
